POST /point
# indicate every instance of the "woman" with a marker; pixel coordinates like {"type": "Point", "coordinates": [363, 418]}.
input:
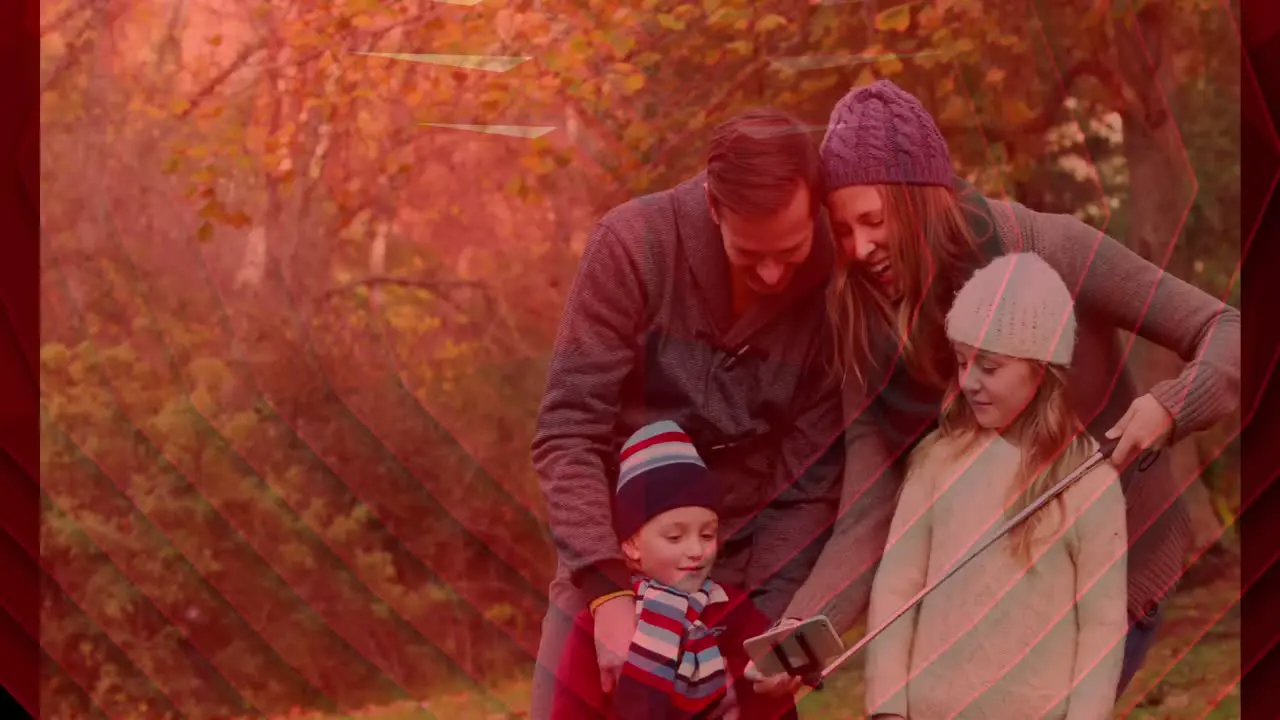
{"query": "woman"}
{"type": "Point", "coordinates": [912, 234]}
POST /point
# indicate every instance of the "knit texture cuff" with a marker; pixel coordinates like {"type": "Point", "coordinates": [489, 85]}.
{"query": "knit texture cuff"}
{"type": "Point", "coordinates": [1193, 403]}
{"type": "Point", "coordinates": [602, 578]}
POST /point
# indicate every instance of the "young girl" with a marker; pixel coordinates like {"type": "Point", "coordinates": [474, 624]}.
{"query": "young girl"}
{"type": "Point", "coordinates": [1034, 626]}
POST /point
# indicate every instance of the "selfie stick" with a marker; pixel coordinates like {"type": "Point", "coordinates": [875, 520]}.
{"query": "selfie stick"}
{"type": "Point", "coordinates": [1101, 455]}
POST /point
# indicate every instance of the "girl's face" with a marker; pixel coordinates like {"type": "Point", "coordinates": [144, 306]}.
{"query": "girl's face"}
{"type": "Point", "coordinates": [860, 228]}
{"type": "Point", "coordinates": [997, 387]}
{"type": "Point", "coordinates": [676, 548]}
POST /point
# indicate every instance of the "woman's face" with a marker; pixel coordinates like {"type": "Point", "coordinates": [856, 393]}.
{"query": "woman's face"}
{"type": "Point", "coordinates": [862, 233]}
{"type": "Point", "coordinates": [997, 387]}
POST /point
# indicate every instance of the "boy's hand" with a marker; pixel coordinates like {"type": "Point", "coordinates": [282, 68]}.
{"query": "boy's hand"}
{"type": "Point", "coordinates": [780, 685]}
{"type": "Point", "coordinates": [615, 626]}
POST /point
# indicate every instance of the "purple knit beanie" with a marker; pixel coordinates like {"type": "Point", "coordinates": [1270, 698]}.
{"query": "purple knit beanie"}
{"type": "Point", "coordinates": [881, 135]}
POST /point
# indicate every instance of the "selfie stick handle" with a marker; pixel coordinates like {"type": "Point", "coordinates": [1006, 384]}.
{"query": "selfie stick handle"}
{"type": "Point", "coordinates": [1102, 454]}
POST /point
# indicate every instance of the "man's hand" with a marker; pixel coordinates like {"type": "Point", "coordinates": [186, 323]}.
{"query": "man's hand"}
{"type": "Point", "coordinates": [1146, 426]}
{"type": "Point", "coordinates": [615, 626]}
{"type": "Point", "coordinates": [780, 685]}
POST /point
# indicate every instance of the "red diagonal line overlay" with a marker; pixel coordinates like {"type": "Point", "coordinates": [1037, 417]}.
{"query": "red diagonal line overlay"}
{"type": "Point", "coordinates": [530, 599]}
{"type": "Point", "coordinates": [22, 570]}
{"type": "Point", "coordinates": [1211, 624]}
{"type": "Point", "coordinates": [24, 528]}
{"type": "Point", "coordinates": [16, 649]}
{"type": "Point", "coordinates": [76, 589]}
{"type": "Point", "coordinates": [1066, 611]}
{"type": "Point", "coordinates": [1250, 74]}
{"type": "Point", "coordinates": [979, 537]}
{"type": "Point", "coordinates": [1249, 82]}
{"type": "Point", "coordinates": [1212, 458]}
{"type": "Point", "coordinates": [1213, 621]}
{"type": "Point", "coordinates": [347, 466]}
{"type": "Point", "coordinates": [459, 585]}
{"type": "Point", "coordinates": [1245, 585]}
{"type": "Point", "coordinates": [126, 491]}
{"type": "Point", "coordinates": [363, 640]}
{"type": "Point", "coordinates": [51, 672]}
{"type": "Point", "coordinates": [358, 641]}
{"type": "Point", "coordinates": [241, 606]}
{"type": "Point", "coordinates": [1121, 368]}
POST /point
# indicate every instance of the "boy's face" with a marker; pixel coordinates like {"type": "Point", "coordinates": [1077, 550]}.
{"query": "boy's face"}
{"type": "Point", "coordinates": [676, 548]}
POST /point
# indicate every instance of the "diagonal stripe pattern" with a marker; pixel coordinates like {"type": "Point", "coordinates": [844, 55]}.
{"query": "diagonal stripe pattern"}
{"type": "Point", "coordinates": [365, 463]}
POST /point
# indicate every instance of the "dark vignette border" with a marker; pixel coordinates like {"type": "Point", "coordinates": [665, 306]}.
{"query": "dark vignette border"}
{"type": "Point", "coordinates": [1260, 210]}
{"type": "Point", "coordinates": [19, 365]}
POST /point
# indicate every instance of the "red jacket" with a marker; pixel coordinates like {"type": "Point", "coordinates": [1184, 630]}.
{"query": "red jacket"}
{"type": "Point", "coordinates": [578, 695]}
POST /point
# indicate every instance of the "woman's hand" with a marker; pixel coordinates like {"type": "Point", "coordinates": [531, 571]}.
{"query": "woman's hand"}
{"type": "Point", "coordinates": [1146, 426]}
{"type": "Point", "coordinates": [780, 685]}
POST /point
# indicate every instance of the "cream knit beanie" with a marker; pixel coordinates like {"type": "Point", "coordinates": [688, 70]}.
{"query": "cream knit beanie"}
{"type": "Point", "coordinates": [1016, 306]}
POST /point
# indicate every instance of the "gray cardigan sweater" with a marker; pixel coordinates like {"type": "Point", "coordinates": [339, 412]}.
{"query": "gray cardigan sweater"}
{"type": "Point", "coordinates": [647, 334]}
{"type": "Point", "coordinates": [1114, 289]}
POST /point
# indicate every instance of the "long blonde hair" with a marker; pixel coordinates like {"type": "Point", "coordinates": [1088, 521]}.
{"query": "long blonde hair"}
{"type": "Point", "coordinates": [933, 253]}
{"type": "Point", "coordinates": [1052, 440]}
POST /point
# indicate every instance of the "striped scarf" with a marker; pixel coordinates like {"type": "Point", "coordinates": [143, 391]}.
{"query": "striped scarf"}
{"type": "Point", "coordinates": [674, 668]}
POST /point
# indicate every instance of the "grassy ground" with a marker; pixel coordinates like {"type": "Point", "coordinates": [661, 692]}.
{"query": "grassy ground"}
{"type": "Point", "coordinates": [1191, 672]}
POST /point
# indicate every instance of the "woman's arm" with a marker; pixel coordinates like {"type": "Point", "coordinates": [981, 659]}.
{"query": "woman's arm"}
{"type": "Point", "coordinates": [840, 582]}
{"type": "Point", "coordinates": [809, 467]}
{"type": "Point", "coordinates": [1113, 282]}
{"type": "Point", "coordinates": [902, 574]}
{"type": "Point", "coordinates": [1099, 545]}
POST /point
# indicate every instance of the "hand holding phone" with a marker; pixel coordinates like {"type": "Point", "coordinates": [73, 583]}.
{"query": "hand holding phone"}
{"type": "Point", "coordinates": [800, 650]}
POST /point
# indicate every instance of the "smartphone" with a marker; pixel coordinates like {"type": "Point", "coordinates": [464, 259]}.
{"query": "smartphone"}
{"type": "Point", "coordinates": [801, 650]}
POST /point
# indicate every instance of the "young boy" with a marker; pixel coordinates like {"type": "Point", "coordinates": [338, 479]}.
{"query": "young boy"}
{"type": "Point", "coordinates": [686, 659]}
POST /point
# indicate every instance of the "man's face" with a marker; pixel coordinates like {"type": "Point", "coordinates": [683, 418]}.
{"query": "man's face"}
{"type": "Point", "coordinates": [765, 251]}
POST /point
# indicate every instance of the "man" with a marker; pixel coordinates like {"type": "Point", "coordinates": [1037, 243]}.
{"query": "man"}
{"type": "Point", "coordinates": [703, 304]}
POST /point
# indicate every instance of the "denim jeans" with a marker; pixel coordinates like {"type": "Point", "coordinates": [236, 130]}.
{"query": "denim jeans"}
{"type": "Point", "coordinates": [1137, 643]}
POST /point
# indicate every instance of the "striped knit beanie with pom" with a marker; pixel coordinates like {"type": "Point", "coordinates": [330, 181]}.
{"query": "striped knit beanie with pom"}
{"type": "Point", "coordinates": [660, 471]}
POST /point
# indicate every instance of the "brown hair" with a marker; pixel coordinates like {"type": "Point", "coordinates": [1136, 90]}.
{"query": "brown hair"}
{"type": "Point", "coordinates": [1052, 440]}
{"type": "Point", "coordinates": [756, 159]}
{"type": "Point", "coordinates": [935, 252]}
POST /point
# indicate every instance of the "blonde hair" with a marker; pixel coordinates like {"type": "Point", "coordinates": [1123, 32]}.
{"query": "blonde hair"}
{"type": "Point", "coordinates": [1052, 440]}
{"type": "Point", "coordinates": [934, 253]}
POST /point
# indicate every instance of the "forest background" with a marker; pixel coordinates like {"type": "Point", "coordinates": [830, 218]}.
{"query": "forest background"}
{"type": "Point", "coordinates": [295, 327]}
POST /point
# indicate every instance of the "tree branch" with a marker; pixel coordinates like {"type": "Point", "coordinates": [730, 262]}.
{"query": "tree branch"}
{"type": "Point", "coordinates": [66, 16]}
{"type": "Point", "coordinates": [210, 87]}
{"type": "Point", "coordinates": [431, 286]}
{"type": "Point", "coordinates": [105, 19]}
{"type": "Point", "coordinates": [1052, 106]}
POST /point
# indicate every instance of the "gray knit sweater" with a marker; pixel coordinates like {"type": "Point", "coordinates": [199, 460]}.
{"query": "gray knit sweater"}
{"type": "Point", "coordinates": [1114, 289]}
{"type": "Point", "coordinates": [647, 333]}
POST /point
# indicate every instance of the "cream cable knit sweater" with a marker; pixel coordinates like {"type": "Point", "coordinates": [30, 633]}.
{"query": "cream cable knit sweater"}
{"type": "Point", "coordinates": [997, 640]}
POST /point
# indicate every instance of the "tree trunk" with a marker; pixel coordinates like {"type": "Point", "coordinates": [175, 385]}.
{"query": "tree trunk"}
{"type": "Point", "coordinates": [1160, 193]}
{"type": "Point", "coordinates": [253, 264]}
